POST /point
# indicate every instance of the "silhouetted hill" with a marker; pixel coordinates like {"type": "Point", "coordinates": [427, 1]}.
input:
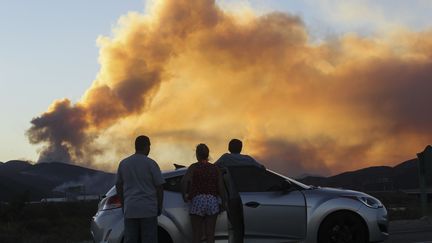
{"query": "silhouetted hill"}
{"type": "Point", "coordinates": [49, 179]}
{"type": "Point", "coordinates": [377, 178]}
{"type": "Point", "coordinates": [59, 171]}
{"type": "Point", "coordinates": [13, 166]}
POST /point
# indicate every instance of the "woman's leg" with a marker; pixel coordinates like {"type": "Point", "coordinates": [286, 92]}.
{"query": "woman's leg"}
{"type": "Point", "coordinates": [210, 225]}
{"type": "Point", "coordinates": [197, 225]}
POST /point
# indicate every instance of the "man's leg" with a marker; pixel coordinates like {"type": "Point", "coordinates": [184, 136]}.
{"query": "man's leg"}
{"type": "Point", "coordinates": [149, 231]}
{"type": "Point", "coordinates": [235, 214]}
{"type": "Point", "coordinates": [131, 230]}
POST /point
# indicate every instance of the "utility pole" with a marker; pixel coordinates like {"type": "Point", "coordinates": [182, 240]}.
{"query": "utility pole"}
{"type": "Point", "coordinates": [425, 171]}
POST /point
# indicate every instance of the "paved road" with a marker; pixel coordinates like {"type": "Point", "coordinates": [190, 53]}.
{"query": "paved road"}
{"type": "Point", "coordinates": [403, 231]}
{"type": "Point", "coordinates": [410, 231]}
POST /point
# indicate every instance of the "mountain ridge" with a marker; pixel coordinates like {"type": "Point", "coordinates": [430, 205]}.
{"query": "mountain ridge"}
{"type": "Point", "coordinates": [43, 180]}
{"type": "Point", "coordinates": [51, 179]}
{"type": "Point", "coordinates": [376, 178]}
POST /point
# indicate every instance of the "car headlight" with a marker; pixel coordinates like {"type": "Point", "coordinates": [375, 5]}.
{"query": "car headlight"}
{"type": "Point", "coordinates": [368, 201]}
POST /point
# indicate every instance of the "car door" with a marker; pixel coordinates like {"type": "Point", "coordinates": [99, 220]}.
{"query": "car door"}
{"type": "Point", "coordinates": [273, 211]}
{"type": "Point", "coordinates": [178, 211]}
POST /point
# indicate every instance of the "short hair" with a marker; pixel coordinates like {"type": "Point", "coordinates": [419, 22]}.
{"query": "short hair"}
{"type": "Point", "coordinates": [235, 146]}
{"type": "Point", "coordinates": [142, 142]}
{"type": "Point", "coordinates": [202, 151]}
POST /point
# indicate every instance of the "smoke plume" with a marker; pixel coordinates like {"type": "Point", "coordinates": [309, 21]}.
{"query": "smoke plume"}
{"type": "Point", "coordinates": [188, 72]}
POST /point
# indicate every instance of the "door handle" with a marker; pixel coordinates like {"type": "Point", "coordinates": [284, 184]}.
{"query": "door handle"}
{"type": "Point", "coordinates": [252, 204]}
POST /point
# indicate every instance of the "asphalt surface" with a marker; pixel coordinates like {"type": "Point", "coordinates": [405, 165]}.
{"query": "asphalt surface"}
{"type": "Point", "coordinates": [402, 231]}
{"type": "Point", "coordinates": [411, 231]}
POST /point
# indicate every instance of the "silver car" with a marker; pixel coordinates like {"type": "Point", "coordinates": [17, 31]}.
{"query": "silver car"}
{"type": "Point", "coordinates": [276, 209]}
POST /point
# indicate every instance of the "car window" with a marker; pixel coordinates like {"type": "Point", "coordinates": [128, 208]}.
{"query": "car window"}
{"type": "Point", "coordinates": [254, 179]}
{"type": "Point", "coordinates": [173, 184]}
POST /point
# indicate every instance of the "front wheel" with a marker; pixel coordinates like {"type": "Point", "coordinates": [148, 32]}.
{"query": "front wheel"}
{"type": "Point", "coordinates": [163, 236]}
{"type": "Point", "coordinates": [343, 227]}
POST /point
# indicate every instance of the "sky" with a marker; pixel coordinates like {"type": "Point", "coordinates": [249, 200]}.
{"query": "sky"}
{"type": "Point", "coordinates": [47, 51]}
{"type": "Point", "coordinates": [51, 51]}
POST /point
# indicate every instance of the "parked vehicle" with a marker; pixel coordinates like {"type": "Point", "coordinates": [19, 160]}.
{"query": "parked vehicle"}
{"type": "Point", "coordinates": [276, 209]}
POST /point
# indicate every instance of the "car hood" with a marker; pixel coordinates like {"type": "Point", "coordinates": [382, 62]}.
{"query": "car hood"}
{"type": "Point", "coordinates": [320, 194]}
{"type": "Point", "coordinates": [339, 191]}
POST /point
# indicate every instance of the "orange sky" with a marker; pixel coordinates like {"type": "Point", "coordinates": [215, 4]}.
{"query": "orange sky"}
{"type": "Point", "coordinates": [188, 72]}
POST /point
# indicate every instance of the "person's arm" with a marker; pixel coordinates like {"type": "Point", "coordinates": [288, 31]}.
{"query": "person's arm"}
{"type": "Point", "coordinates": [160, 196]}
{"type": "Point", "coordinates": [258, 164]}
{"type": "Point", "coordinates": [221, 187]}
{"type": "Point", "coordinates": [119, 186]}
{"type": "Point", "coordinates": [185, 183]}
{"type": "Point", "coordinates": [221, 161]}
{"type": "Point", "coordinates": [158, 182]}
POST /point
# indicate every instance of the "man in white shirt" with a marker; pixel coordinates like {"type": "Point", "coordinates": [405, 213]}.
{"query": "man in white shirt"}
{"type": "Point", "coordinates": [139, 184]}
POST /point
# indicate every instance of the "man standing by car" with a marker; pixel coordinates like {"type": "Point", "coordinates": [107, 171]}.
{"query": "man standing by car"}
{"type": "Point", "coordinates": [235, 205]}
{"type": "Point", "coordinates": [139, 184]}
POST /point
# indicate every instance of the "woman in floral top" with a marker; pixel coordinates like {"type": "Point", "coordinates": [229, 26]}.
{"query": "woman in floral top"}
{"type": "Point", "coordinates": [203, 189]}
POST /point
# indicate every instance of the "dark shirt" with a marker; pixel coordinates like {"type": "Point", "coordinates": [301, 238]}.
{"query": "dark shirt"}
{"type": "Point", "coordinates": [228, 160]}
{"type": "Point", "coordinates": [204, 179]}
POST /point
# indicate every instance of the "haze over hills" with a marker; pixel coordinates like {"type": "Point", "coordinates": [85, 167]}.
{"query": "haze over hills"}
{"type": "Point", "coordinates": [51, 179]}
{"type": "Point", "coordinates": [376, 178]}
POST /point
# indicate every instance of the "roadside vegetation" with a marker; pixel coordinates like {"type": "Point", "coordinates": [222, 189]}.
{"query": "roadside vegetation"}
{"type": "Point", "coordinates": [69, 222]}
{"type": "Point", "coordinates": [402, 206]}
{"type": "Point", "coordinates": [22, 222]}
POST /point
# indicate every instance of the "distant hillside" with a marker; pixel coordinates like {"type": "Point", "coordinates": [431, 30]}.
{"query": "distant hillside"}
{"type": "Point", "coordinates": [377, 178]}
{"type": "Point", "coordinates": [49, 179]}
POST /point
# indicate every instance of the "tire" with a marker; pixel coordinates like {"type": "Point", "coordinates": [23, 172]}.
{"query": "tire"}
{"type": "Point", "coordinates": [343, 227]}
{"type": "Point", "coordinates": [163, 236]}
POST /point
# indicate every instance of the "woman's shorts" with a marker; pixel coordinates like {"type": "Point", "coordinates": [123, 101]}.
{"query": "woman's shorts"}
{"type": "Point", "coordinates": [204, 205]}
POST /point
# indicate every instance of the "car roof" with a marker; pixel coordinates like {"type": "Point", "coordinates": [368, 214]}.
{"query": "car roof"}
{"type": "Point", "coordinates": [174, 173]}
{"type": "Point", "coordinates": [181, 171]}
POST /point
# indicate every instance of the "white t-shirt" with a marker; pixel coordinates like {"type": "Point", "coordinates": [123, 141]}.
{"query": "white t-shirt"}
{"type": "Point", "coordinates": [140, 175]}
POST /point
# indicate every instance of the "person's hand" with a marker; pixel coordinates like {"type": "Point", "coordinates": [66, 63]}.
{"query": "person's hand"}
{"type": "Point", "coordinates": [185, 198]}
{"type": "Point", "coordinates": [223, 206]}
